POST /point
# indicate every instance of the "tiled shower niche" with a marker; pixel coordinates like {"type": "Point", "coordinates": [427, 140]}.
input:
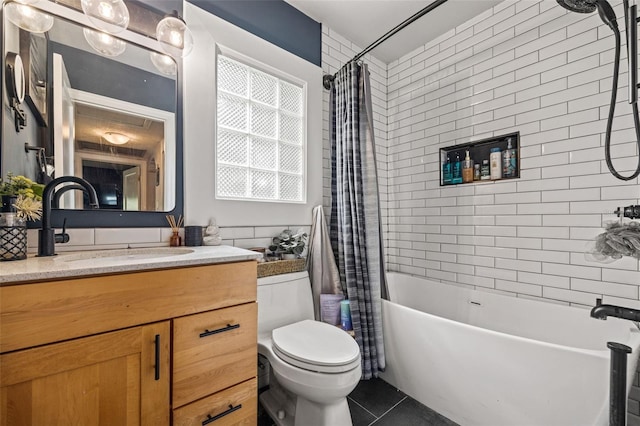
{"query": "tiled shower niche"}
{"type": "Point", "coordinates": [479, 151]}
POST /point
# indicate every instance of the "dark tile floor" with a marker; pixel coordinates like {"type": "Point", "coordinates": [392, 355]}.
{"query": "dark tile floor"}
{"type": "Point", "coordinates": [375, 402]}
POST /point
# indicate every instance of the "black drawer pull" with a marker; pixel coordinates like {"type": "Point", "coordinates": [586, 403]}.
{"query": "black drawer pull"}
{"type": "Point", "coordinates": [157, 367]}
{"type": "Point", "coordinates": [220, 330]}
{"type": "Point", "coordinates": [221, 415]}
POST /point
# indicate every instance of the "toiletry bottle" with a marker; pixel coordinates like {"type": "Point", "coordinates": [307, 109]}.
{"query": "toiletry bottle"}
{"type": "Point", "coordinates": [495, 161]}
{"type": "Point", "coordinates": [506, 162]}
{"type": "Point", "coordinates": [476, 171]}
{"type": "Point", "coordinates": [446, 171]}
{"type": "Point", "coordinates": [467, 169]}
{"type": "Point", "coordinates": [513, 164]}
{"type": "Point", "coordinates": [457, 170]}
{"type": "Point", "coordinates": [485, 173]}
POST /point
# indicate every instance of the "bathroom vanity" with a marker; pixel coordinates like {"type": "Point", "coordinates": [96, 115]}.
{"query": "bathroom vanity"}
{"type": "Point", "coordinates": [130, 338]}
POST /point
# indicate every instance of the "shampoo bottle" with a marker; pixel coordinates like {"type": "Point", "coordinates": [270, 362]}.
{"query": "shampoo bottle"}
{"type": "Point", "coordinates": [467, 169]}
{"type": "Point", "coordinates": [446, 171]}
{"type": "Point", "coordinates": [513, 157]}
{"type": "Point", "coordinates": [495, 163]}
{"type": "Point", "coordinates": [506, 162]}
{"type": "Point", "coordinates": [457, 170]}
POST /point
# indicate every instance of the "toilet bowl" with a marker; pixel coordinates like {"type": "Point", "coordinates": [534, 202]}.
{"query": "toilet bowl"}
{"type": "Point", "coordinates": [314, 365]}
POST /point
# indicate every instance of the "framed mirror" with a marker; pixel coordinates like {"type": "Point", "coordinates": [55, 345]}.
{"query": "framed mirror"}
{"type": "Point", "coordinates": [103, 108]}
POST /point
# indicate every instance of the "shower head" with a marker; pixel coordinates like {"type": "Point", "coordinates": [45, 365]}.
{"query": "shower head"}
{"type": "Point", "coordinates": [605, 10]}
{"type": "Point", "coordinates": [580, 6]}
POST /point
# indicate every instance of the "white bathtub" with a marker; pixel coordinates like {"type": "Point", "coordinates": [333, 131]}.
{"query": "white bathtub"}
{"type": "Point", "coordinates": [480, 358]}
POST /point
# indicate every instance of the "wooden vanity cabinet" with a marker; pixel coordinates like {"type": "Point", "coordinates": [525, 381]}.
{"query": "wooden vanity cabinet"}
{"type": "Point", "coordinates": [174, 346]}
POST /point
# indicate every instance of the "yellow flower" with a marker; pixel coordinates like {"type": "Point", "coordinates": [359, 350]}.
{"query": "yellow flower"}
{"type": "Point", "coordinates": [28, 207]}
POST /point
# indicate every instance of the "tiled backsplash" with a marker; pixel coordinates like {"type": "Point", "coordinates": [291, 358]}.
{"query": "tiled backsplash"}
{"type": "Point", "coordinates": [117, 238]}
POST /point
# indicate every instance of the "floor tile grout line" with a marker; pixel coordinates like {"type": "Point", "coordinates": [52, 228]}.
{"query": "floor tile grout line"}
{"type": "Point", "coordinates": [361, 406]}
{"type": "Point", "coordinates": [386, 412]}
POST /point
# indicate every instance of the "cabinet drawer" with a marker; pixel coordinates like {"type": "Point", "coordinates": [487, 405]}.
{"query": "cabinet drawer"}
{"type": "Point", "coordinates": [213, 350]}
{"type": "Point", "coordinates": [237, 405]}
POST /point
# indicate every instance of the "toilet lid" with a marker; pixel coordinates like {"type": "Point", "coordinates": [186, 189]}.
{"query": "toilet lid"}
{"type": "Point", "coordinates": [316, 346]}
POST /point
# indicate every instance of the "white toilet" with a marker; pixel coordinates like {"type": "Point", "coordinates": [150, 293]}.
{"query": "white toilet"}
{"type": "Point", "coordinates": [314, 365]}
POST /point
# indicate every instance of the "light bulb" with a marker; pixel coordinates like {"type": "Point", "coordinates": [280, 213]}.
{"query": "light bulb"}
{"type": "Point", "coordinates": [27, 17]}
{"type": "Point", "coordinates": [174, 36]}
{"type": "Point", "coordinates": [105, 10]}
{"type": "Point", "coordinates": [103, 43]}
{"type": "Point", "coordinates": [164, 63]}
{"type": "Point", "coordinates": [111, 16]}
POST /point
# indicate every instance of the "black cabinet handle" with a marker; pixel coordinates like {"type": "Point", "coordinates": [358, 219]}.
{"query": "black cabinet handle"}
{"type": "Point", "coordinates": [229, 327]}
{"type": "Point", "coordinates": [231, 409]}
{"type": "Point", "coordinates": [157, 367]}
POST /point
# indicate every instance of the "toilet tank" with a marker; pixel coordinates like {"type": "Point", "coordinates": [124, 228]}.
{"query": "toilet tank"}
{"type": "Point", "coordinates": [283, 299]}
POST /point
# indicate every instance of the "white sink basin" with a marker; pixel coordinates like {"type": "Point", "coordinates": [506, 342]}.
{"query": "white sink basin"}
{"type": "Point", "coordinates": [125, 255]}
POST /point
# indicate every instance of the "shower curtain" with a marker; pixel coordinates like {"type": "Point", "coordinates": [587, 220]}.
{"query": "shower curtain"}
{"type": "Point", "coordinates": [355, 225]}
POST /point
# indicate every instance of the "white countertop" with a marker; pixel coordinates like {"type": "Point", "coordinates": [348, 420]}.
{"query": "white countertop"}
{"type": "Point", "coordinates": [99, 262]}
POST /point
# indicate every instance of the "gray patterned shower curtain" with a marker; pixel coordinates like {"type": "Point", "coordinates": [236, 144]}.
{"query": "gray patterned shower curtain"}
{"type": "Point", "coordinates": [355, 225]}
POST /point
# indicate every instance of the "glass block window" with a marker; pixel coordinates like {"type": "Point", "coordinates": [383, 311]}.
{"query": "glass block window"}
{"type": "Point", "coordinates": [260, 143]}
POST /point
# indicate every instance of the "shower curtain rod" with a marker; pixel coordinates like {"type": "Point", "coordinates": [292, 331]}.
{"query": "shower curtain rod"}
{"type": "Point", "coordinates": [327, 79]}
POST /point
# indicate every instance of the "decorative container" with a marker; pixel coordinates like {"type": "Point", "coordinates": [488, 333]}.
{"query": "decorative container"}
{"type": "Point", "coordinates": [193, 236]}
{"type": "Point", "coordinates": [13, 231]}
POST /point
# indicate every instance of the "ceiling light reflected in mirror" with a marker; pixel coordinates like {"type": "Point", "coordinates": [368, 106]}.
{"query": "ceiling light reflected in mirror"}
{"type": "Point", "coordinates": [22, 14]}
{"type": "Point", "coordinates": [111, 16]}
{"type": "Point", "coordinates": [116, 138]}
{"type": "Point", "coordinates": [103, 43]}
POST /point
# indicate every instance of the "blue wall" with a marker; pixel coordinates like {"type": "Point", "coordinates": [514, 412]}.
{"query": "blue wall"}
{"type": "Point", "coordinates": [273, 20]}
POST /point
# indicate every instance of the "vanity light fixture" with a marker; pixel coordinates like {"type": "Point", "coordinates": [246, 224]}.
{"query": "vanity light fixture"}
{"type": "Point", "coordinates": [116, 138]}
{"type": "Point", "coordinates": [174, 36]}
{"type": "Point", "coordinates": [104, 43]}
{"type": "Point", "coordinates": [164, 63]}
{"type": "Point", "coordinates": [22, 14]}
{"type": "Point", "coordinates": [111, 16]}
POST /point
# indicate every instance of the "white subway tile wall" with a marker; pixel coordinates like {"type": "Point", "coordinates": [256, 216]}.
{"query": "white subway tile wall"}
{"type": "Point", "coordinates": [527, 66]}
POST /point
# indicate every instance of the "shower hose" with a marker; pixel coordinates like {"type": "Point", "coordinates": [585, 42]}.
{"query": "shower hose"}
{"type": "Point", "coordinates": [612, 107]}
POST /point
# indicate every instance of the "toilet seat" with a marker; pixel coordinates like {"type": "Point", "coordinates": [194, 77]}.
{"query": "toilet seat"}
{"type": "Point", "coordinates": [316, 346]}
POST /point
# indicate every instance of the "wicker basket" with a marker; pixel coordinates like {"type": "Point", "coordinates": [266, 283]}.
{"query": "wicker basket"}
{"type": "Point", "coordinates": [278, 267]}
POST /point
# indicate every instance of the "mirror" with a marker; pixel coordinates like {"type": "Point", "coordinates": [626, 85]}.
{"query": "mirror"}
{"type": "Point", "coordinates": [103, 109]}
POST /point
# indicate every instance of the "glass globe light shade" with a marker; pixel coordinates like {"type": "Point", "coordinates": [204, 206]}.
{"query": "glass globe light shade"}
{"type": "Point", "coordinates": [27, 17]}
{"type": "Point", "coordinates": [103, 43]}
{"type": "Point", "coordinates": [111, 16]}
{"type": "Point", "coordinates": [164, 63]}
{"type": "Point", "coordinates": [174, 36]}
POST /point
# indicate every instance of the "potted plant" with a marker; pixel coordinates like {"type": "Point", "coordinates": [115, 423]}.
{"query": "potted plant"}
{"type": "Point", "coordinates": [21, 201]}
{"type": "Point", "coordinates": [288, 244]}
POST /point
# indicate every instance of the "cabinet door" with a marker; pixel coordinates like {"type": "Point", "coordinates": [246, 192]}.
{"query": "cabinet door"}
{"type": "Point", "coordinates": [117, 378]}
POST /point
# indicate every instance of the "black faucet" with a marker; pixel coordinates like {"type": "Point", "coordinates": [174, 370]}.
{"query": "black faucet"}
{"type": "Point", "coordinates": [601, 311]}
{"type": "Point", "coordinates": [55, 202]}
{"type": "Point", "coordinates": [46, 235]}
